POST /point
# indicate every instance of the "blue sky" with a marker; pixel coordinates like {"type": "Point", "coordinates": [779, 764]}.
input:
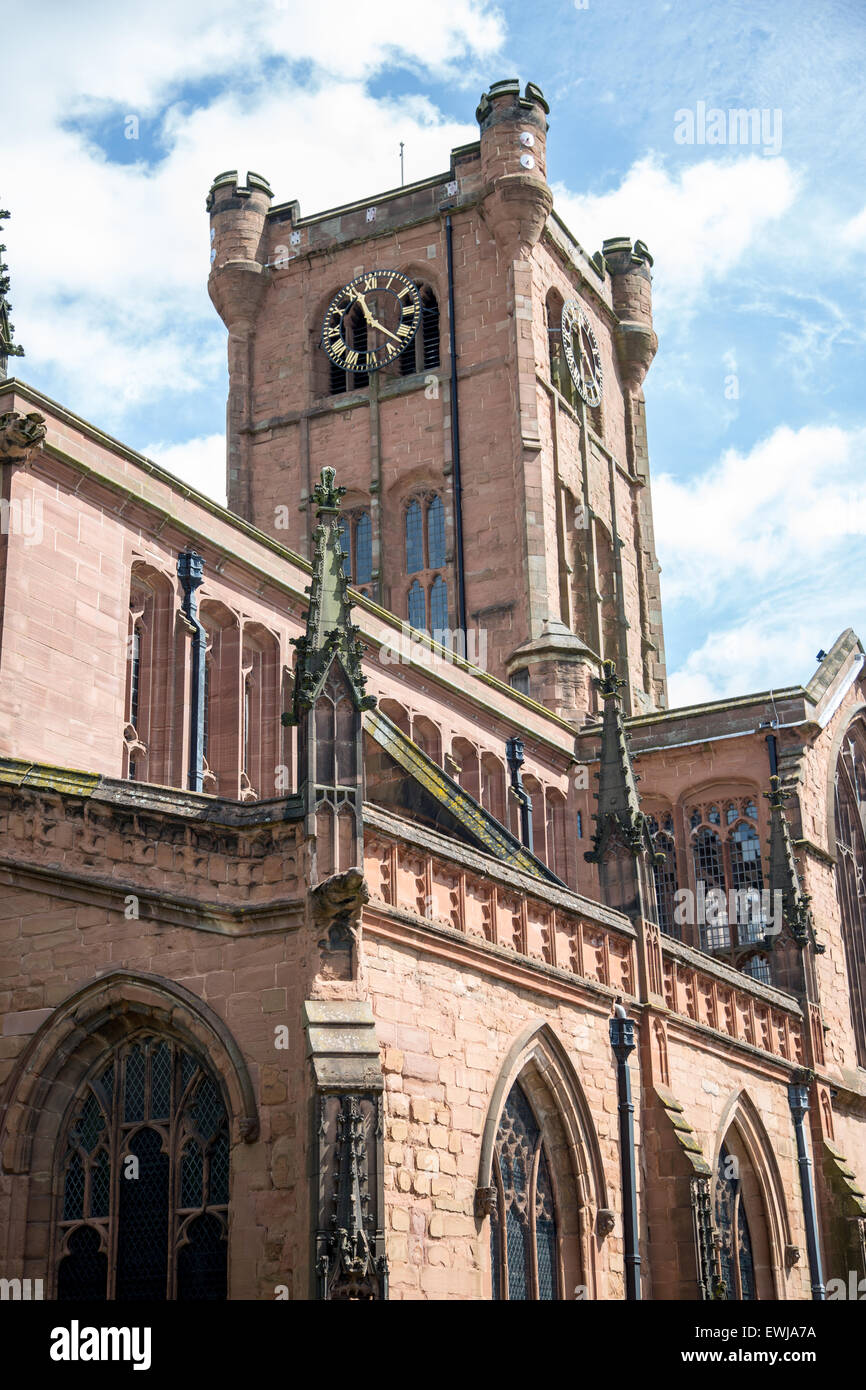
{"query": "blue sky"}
{"type": "Point", "coordinates": [755, 408]}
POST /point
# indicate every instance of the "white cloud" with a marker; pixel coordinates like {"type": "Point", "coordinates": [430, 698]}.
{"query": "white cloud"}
{"type": "Point", "coordinates": [199, 462]}
{"type": "Point", "coordinates": [766, 549]}
{"type": "Point", "coordinates": [853, 232]}
{"type": "Point", "coordinates": [698, 224]}
{"type": "Point", "coordinates": [109, 276]}
{"type": "Point", "coordinates": [794, 497]}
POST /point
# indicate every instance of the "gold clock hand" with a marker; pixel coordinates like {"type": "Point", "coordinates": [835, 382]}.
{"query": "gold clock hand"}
{"type": "Point", "coordinates": [374, 323]}
{"type": "Point", "coordinates": [359, 299]}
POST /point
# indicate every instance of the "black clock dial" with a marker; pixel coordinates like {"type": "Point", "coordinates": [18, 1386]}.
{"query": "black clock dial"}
{"type": "Point", "coordinates": [580, 346]}
{"type": "Point", "coordinates": [370, 321]}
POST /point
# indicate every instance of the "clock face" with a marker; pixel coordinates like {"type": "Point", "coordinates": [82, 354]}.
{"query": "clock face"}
{"type": "Point", "coordinates": [580, 346]}
{"type": "Point", "coordinates": [370, 321]}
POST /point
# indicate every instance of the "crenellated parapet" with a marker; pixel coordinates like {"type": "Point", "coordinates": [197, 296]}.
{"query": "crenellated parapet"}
{"type": "Point", "coordinates": [630, 268]}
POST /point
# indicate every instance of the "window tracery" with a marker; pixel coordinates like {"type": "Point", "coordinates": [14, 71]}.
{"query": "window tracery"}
{"type": "Point", "coordinates": [523, 1230]}
{"type": "Point", "coordinates": [144, 1179]}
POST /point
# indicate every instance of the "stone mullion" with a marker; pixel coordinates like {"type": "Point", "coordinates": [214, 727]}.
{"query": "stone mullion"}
{"type": "Point", "coordinates": [605, 939]}
{"type": "Point", "coordinates": [461, 900]}
{"type": "Point", "coordinates": [524, 925]}
{"type": "Point", "coordinates": [578, 941]}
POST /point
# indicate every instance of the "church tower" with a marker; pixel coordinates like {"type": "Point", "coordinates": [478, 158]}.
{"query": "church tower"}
{"type": "Point", "coordinates": [476, 378]}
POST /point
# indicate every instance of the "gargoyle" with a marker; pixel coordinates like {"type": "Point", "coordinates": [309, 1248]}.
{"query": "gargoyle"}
{"type": "Point", "coordinates": [337, 903]}
{"type": "Point", "coordinates": [19, 435]}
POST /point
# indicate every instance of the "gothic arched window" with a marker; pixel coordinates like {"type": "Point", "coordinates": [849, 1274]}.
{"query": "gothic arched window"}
{"type": "Point", "coordinates": [346, 547]}
{"type": "Point", "coordinates": [435, 534]}
{"type": "Point", "coordinates": [144, 1179]}
{"type": "Point", "coordinates": [147, 729]}
{"type": "Point", "coordinates": [414, 538]}
{"type": "Point", "coordinates": [356, 543]}
{"type": "Point", "coordinates": [417, 615]}
{"type": "Point", "coordinates": [523, 1232]}
{"type": "Point", "coordinates": [425, 556]}
{"type": "Point", "coordinates": [735, 1253]}
{"type": "Point", "coordinates": [665, 876]}
{"type": "Point", "coordinates": [710, 876]}
{"type": "Point", "coordinates": [747, 878]}
{"type": "Point", "coordinates": [438, 605]}
{"type": "Point", "coordinates": [729, 878]}
{"type": "Point", "coordinates": [850, 787]}
{"type": "Point", "coordinates": [363, 549]}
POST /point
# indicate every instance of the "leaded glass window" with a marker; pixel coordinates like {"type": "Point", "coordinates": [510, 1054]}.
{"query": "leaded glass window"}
{"type": "Point", "coordinates": [135, 675]}
{"type": "Point", "coordinates": [144, 1177]}
{"type": "Point", "coordinates": [523, 1232]}
{"type": "Point", "coordinates": [732, 1225]}
{"type": "Point", "coordinates": [665, 875]}
{"type": "Point", "coordinates": [414, 538]}
{"type": "Point", "coordinates": [851, 874]}
{"type": "Point", "coordinates": [363, 549]}
{"type": "Point", "coordinates": [438, 606]}
{"type": "Point", "coordinates": [425, 554]}
{"type": "Point", "coordinates": [345, 547]}
{"type": "Point", "coordinates": [748, 880]}
{"type": "Point", "coordinates": [356, 544]}
{"type": "Point", "coordinates": [710, 877]}
{"type": "Point", "coordinates": [417, 616]}
{"type": "Point", "coordinates": [758, 967]}
{"type": "Point", "coordinates": [435, 534]}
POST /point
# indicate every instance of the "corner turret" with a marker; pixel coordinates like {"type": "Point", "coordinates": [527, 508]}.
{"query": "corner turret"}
{"type": "Point", "coordinates": [517, 199]}
{"type": "Point", "coordinates": [630, 269]}
{"type": "Point", "coordinates": [238, 213]}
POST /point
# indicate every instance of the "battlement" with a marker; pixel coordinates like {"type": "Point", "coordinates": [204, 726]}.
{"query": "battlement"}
{"type": "Point", "coordinates": [226, 187]}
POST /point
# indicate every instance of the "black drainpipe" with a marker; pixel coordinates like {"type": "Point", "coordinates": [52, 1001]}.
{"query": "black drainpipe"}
{"type": "Point", "coordinates": [773, 755]}
{"type": "Point", "coordinates": [622, 1042]}
{"type": "Point", "coordinates": [514, 756]}
{"type": "Point", "coordinates": [455, 437]}
{"type": "Point", "coordinates": [190, 572]}
{"type": "Point", "coordinates": [798, 1099]}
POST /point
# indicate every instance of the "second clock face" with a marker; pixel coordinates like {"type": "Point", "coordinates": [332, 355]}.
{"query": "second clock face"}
{"type": "Point", "coordinates": [580, 346]}
{"type": "Point", "coordinates": [370, 321]}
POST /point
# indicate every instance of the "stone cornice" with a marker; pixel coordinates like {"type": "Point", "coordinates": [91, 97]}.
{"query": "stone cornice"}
{"type": "Point", "coordinates": [156, 905]}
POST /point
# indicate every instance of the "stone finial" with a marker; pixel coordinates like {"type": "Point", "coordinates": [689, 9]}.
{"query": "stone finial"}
{"type": "Point", "coordinates": [330, 634]}
{"type": "Point", "coordinates": [20, 435]}
{"type": "Point", "coordinates": [619, 817]}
